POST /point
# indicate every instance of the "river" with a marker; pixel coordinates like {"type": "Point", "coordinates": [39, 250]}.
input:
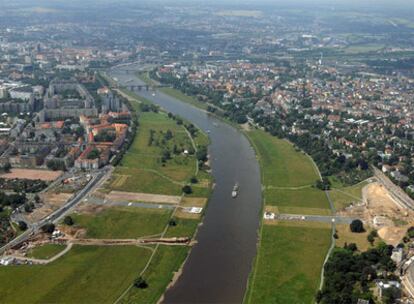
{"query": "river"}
{"type": "Point", "coordinates": [218, 266]}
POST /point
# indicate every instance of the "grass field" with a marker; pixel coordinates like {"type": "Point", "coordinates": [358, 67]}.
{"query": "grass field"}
{"type": "Point", "coordinates": [288, 176]}
{"type": "Point", "coordinates": [45, 251]}
{"type": "Point", "coordinates": [142, 169]}
{"type": "Point", "coordinates": [288, 265]}
{"type": "Point", "coordinates": [305, 197]}
{"type": "Point", "coordinates": [346, 236]}
{"type": "Point", "coordinates": [167, 260]}
{"type": "Point", "coordinates": [343, 196]}
{"type": "Point", "coordinates": [123, 222]}
{"type": "Point", "coordinates": [184, 227]}
{"type": "Point", "coordinates": [281, 164]}
{"type": "Point", "coordinates": [145, 77]}
{"type": "Point", "coordinates": [84, 275]}
{"type": "Point", "coordinates": [290, 255]}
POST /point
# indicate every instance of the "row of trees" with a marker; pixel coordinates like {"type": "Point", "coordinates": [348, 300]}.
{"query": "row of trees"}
{"type": "Point", "coordinates": [22, 185]}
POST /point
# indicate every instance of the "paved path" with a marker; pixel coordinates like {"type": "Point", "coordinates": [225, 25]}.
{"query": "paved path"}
{"type": "Point", "coordinates": [315, 218]}
{"type": "Point", "coordinates": [99, 201]}
{"type": "Point", "coordinates": [41, 261]}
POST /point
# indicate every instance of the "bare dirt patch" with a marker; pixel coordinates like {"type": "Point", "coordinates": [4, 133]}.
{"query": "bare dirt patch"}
{"type": "Point", "coordinates": [392, 235]}
{"type": "Point", "coordinates": [51, 202]}
{"type": "Point", "coordinates": [143, 197]}
{"type": "Point", "coordinates": [90, 209]}
{"type": "Point", "coordinates": [45, 175]}
{"type": "Point", "coordinates": [380, 211]}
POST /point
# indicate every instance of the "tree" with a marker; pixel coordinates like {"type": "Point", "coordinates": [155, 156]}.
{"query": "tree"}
{"type": "Point", "coordinates": [172, 222]}
{"type": "Point", "coordinates": [68, 220]}
{"type": "Point", "coordinates": [22, 225]}
{"type": "Point", "coordinates": [55, 164]}
{"type": "Point", "coordinates": [187, 189]}
{"type": "Point", "coordinates": [371, 236]}
{"type": "Point", "coordinates": [28, 207]}
{"type": "Point", "coordinates": [202, 154]}
{"type": "Point", "coordinates": [194, 180]}
{"type": "Point", "coordinates": [323, 184]}
{"type": "Point", "coordinates": [357, 226]}
{"type": "Point", "coordinates": [351, 246]}
{"type": "Point", "coordinates": [168, 135]}
{"type": "Point", "coordinates": [140, 283]}
{"type": "Point", "coordinates": [48, 228]}
{"type": "Point", "coordinates": [93, 154]}
{"type": "Point", "coordinates": [410, 232]}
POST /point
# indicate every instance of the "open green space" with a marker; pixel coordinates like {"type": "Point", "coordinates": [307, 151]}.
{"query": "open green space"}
{"type": "Point", "coordinates": [159, 274]}
{"type": "Point", "coordinates": [145, 77]}
{"type": "Point", "coordinates": [45, 252]}
{"type": "Point", "coordinates": [123, 222]}
{"type": "Point", "coordinates": [342, 197]}
{"type": "Point", "coordinates": [288, 264]}
{"type": "Point", "coordinates": [86, 274]}
{"type": "Point", "coordinates": [304, 197]}
{"type": "Point", "coordinates": [139, 180]}
{"type": "Point", "coordinates": [281, 164]}
{"type": "Point", "coordinates": [145, 168]}
{"type": "Point", "coordinates": [290, 255]}
{"type": "Point", "coordinates": [363, 48]}
{"type": "Point", "coordinates": [183, 228]}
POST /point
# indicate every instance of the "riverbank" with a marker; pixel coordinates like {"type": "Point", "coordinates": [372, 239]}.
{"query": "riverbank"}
{"type": "Point", "coordinates": [288, 178]}
{"type": "Point", "coordinates": [226, 260]}
{"type": "Point", "coordinates": [295, 251]}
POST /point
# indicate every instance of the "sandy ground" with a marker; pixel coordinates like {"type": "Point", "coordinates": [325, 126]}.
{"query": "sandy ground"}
{"type": "Point", "coordinates": [143, 197]}
{"type": "Point", "coordinates": [45, 175]}
{"type": "Point", "coordinates": [51, 202]}
{"type": "Point", "coordinates": [381, 212]}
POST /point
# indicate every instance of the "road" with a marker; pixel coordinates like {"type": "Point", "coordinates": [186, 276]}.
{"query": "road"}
{"type": "Point", "coordinates": [396, 192]}
{"type": "Point", "coordinates": [61, 212]}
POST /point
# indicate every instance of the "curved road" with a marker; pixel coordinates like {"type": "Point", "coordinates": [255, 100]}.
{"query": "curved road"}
{"type": "Point", "coordinates": [218, 266]}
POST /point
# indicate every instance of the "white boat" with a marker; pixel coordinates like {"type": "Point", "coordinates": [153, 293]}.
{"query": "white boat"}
{"type": "Point", "coordinates": [235, 190]}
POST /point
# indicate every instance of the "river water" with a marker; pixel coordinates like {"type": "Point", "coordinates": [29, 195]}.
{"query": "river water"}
{"type": "Point", "coordinates": [218, 266]}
